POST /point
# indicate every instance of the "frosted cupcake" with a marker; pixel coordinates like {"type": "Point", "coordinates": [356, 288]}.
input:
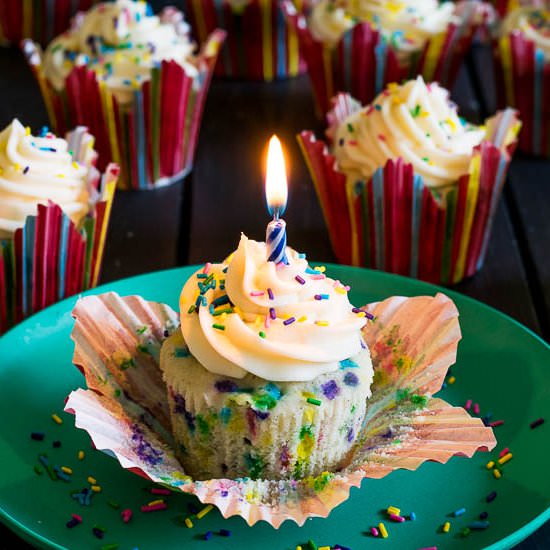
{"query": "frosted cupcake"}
{"type": "Point", "coordinates": [54, 212]}
{"type": "Point", "coordinates": [269, 376]}
{"type": "Point", "coordinates": [413, 187]}
{"type": "Point", "coordinates": [360, 46]}
{"type": "Point", "coordinates": [522, 63]}
{"type": "Point", "coordinates": [134, 78]}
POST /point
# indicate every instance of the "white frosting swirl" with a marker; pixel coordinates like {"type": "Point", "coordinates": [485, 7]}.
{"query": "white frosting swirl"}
{"type": "Point", "coordinates": [318, 334]}
{"type": "Point", "coordinates": [406, 24]}
{"type": "Point", "coordinates": [534, 23]}
{"type": "Point", "coordinates": [121, 42]}
{"type": "Point", "coordinates": [414, 121]}
{"type": "Point", "coordinates": [34, 170]}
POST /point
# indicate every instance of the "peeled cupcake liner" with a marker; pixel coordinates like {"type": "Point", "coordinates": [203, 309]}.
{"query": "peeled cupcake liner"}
{"type": "Point", "coordinates": [363, 62]}
{"type": "Point", "coordinates": [41, 20]}
{"type": "Point", "coordinates": [153, 139]}
{"type": "Point", "coordinates": [413, 341]}
{"type": "Point", "coordinates": [50, 258]}
{"type": "Point", "coordinates": [523, 82]}
{"type": "Point", "coordinates": [395, 222]}
{"type": "Point", "coordinates": [260, 43]}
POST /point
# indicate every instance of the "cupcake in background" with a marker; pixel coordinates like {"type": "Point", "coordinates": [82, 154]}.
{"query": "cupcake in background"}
{"type": "Point", "coordinates": [260, 44]}
{"type": "Point", "coordinates": [407, 185]}
{"type": "Point", "coordinates": [134, 78]}
{"type": "Point", "coordinates": [360, 46]}
{"type": "Point", "coordinates": [522, 67]}
{"type": "Point", "coordinates": [40, 20]}
{"type": "Point", "coordinates": [54, 213]}
{"type": "Point", "coordinates": [503, 7]}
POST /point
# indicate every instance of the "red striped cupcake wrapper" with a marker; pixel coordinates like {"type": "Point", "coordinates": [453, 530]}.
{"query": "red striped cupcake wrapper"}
{"type": "Point", "coordinates": [41, 20]}
{"type": "Point", "coordinates": [523, 81]}
{"type": "Point", "coordinates": [503, 7]}
{"type": "Point", "coordinates": [394, 222]}
{"type": "Point", "coordinates": [153, 138]}
{"type": "Point", "coordinates": [363, 63]}
{"type": "Point", "coordinates": [49, 258]}
{"type": "Point", "coordinates": [260, 44]}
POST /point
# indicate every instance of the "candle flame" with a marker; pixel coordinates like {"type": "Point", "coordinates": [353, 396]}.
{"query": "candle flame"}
{"type": "Point", "coordinates": [276, 190]}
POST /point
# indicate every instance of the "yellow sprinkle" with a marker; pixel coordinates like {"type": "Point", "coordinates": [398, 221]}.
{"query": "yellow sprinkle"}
{"type": "Point", "coordinates": [298, 548]}
{"type": "Point", "coordinates": [323, 548]}
{"type": "Point", "coordinates": [497, 473]}
{"type": "Point", "coordinates": [17, 167]}
{"type": "Point", "coordinates": [204, 511]}
{"type": "Point", "coordinates": [307, 394]}
{"type": "Point", "coordinates": [451, 123]}
{"type": "Point", "coordinates": [446, 527]}
{"type": "Point", "coordinates": [361, 314]}
{"type": "Point", "coordinates": [320, 268]}
{"type": "Point", "coordinates": [393, 86]}
{"type": "Point", "coordinates": [451, 380]}
{"type": "Point", "coordinates": [75, 165]}
{"type": "Point", "coordinates": [81, 455]}
{"type": "Point", "coordinates": [92, 480]}
{"type": "Point", "coordinates": [505, 458]}
{"type": "Point", "coordinates": [286, 316]}
{"type": "Point", "coordinates": [189, 523]}
{"type": "Point", "coordinates": [302, 319]}
{"type": "Point", "coordinates": [153, 502]}
{"type": "Point", "coordinates": [322, 323]}
{"type": "Point", "coordinates": [396, 100]}
{"type": "Point", "coordinates": [27, 131]}
{"type": "Point", "coordinates": [96, 488]}
{"type": "Point", "coordinates": [340, 290]}
{"type": "Point", "coordinates": [394, 510]}
{"type": "Point", "coordinates": [424, 114]}
{"type": "Point", "coordinates": [1, 171]}
{"type": "Point", "coordinates": [56, 419]}
{"type": "Point", "coordinates": [237, 310]}
{"type": "Point", "coordinates": [60, 175]}
{"type": "Point", "coordinates": [223, 316]}
{"type": "Point", "coordinates": [66, 469]}
{"type": "Point", "coordinates": [490, 464]}
{"type": "Point", "coordinates": [382, 529]}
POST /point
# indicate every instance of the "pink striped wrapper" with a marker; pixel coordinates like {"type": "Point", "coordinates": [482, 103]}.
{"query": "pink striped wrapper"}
{"type": "Point", "coordinates": [153, 138]}
{"type": "Point", "coordinates": [396, 223]}
{"type": "Point", "coordinates": [404, 426]}
{"type": "Point", "coordinates": [363, 63]}
{"type": "Point", "coordinates": [50, 258]}
{"type": "Point", "coordinates": [260, 44]}
{"type": "Point", "coordinates": [41, 20]}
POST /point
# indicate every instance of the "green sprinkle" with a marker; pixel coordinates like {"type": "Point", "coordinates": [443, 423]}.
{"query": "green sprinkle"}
{"type": "Point", "coordinates": [465, 532]}
{"type": "Point", "coordinates": [113, 546]}
{"type": "Point", "coordinates": [126, 364]}
{"type": "Point", "coordinates": [201, 275]}
{"type": "Point", "coordinates": [219, 327]}
{"type": "Point", "coordinates": [420, 400]}
{"type": "Point", "coordinates": [219, 312]}
{"type": "Point", "coordinates": [143, 349]}
{"type": "Point", "coordinates": [38, 470]}
{"type": "Point", "coordinates": [141, 330]}
{"type": "Point", "coordinates": [261, 334]}
{"type": "Point", "coordinates": [117, 393]}
{"type": "Point", "coordinates": [191, 308]}
{"type": "Point", "coordinates": [428, 134]}
{"type": "Point", "coordinates": [416, 111]}
{"type": "Point", "coordinates": [312, 545]}
{"type": "Point", "coordinates": [350, 127]}
{"type": "Point", "coordinates": [113, 504]}
{"type": "Point", "coordinates": [313, 401]}
{"type": "Point", "coordinates": [425, 159]}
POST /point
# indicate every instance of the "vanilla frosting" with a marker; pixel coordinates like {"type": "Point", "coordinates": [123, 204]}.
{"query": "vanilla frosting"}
{"type": "Point", "coordinates": [534, 23]}
{"type": "Point", "coordinates": [415, 121]}
{"type": "Point", "coordinates": [406, 24]}
{"type": "Point", "coordinates": [121, 42]}
{"type": "Point", "coordinates": [34, 170]}
{"type": "Point", "coordinates": [281, 322]}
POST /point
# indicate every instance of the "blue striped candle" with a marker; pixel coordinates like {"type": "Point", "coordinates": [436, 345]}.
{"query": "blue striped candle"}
{"type": "Point", "coordinates": [275, 240]}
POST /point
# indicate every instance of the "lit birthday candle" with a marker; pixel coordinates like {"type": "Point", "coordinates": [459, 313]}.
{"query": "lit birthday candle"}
{"type": "Point", "coordinates": [276, 193]}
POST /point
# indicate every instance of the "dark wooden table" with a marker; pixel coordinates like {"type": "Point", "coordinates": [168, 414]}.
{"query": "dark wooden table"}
{"type": "Point", "coordinates": [147, 232]}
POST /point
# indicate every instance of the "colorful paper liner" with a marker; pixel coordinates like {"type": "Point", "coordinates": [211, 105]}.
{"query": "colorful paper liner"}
{"type": "Point", "coordinates": [362, 63]}
{"type": "Point", "coordinates": [503, 7]}
{"type": "Point", "coordinates": [50, 258]}
{"type": "Point", "coordinates": [153, 139]}
{"type": "Point", "coordinates": [40, 20]}
{"type": "Point", "coordinates": [523, 81]}
{"type": "Point", "coordinates": [413, 341]}
{"type": "Point", "coordinates": [395, 222]}
{"type": "Point", "coordinates": [260, 43]}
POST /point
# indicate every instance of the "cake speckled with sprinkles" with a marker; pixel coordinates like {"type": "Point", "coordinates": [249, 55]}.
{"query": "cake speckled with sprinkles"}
{"type": "Point", "coordinates": [269, 375]}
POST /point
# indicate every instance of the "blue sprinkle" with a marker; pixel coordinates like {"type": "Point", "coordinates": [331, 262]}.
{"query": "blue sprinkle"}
{"type": "Point", "coordinates": [351, 379]}
{"type": "Point", "coordinates": [412, 516]}
{"type": "Point", "coordinates": [226, 386]}
{"type": "Point", "coordinates": [459, 512]}
{"type": "Point", "coordinates": [273, 390]}
{"type": "Point", "coordinates": [479, 525]}
{"type": "Point", "coordinates": [225, 533]}
{"type": "Point", "coordinates": [348, 364]}
{"type": "Point", "coordinates": [181, 352]}
{"type": "Point", "coordinates": [207, 535]}
{"type": "Point", "coordinates": [225, 414]}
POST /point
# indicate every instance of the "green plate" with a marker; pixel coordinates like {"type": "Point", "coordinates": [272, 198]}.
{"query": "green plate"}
{"type": "Point", "coordinates": [501, 365]}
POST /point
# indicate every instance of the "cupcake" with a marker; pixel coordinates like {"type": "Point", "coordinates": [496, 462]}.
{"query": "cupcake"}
{"type": "Point", "coordinates": [260, 44]}
{"type": "Point", "coordinates": [522, 65]}
{"type": "Point", "coordinates": [40, 20]}
{"type": "Point", "coordinates": [408, 186]}
{"type": "Point", "coordinates": [134, 78]}
{"type": "Point", "coordinates": [269, 375]}
{"type": "Point", "coordinates": [54, 212]}
{"type": "Point", "coordinates": [360, 46]}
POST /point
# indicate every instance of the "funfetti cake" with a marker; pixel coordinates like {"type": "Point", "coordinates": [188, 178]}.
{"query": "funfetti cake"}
{"type": "Point", "coordinates": [269, 376]}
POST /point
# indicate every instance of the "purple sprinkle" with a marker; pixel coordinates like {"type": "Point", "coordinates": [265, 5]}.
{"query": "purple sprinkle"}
{"type": "Point", "coordinates": [56, 444]}
{"type": "Point", "coordinates": [224, 493]}
{"type": "Point", "coordinates": [351, 379]}
{"type": "Point", "coordinates": [289, 321]}
{"type": "Point", "coordinates": [330, 389]}
{"type": "Point", "coordinates": [207, 535]}
{"type": "Point", "coordinates": [262, 415]}
{"type": "Point", "coordinates": [484, 515]}
{"type": "Point", "coordinates": [226, 386]}
{"type": "Point", "coordinates": [225, 533]}
{"type": "Point", "coordinates": [144, 449]}
{"type": "Point", "coordinates": [536, 423]}
{"type": "Point", "coordinates": [72, 523]}
{"type": "Point", "coordinates": [351, 435]}
{"type": "Point", "coordinates": [270, 294]}
{"type": "Point", "coordinates": [300, 280]}
{"type": "Point", "coordinates": [98, 533]}
{"type": "Point", "coordinates": [356, 310]}
{"type": "Point", "coordinates": [272, 313]}
{"type": "Point", "coordinates": [491, 496]}
{"type": "Point", "coordinates": [37, 436]}
{"type": "Point", "coordinates": [25, 170]}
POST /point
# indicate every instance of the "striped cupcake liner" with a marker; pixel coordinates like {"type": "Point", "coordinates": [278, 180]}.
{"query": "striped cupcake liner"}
{"type": "Point", "coordinates": [260, 43]}
{"type": "Point", "coordinates": [50, 258]}
{"type": "Point", "coordinates": [119, 407]}
{"type": "Point", "coordinates": [395, 222]}
{"type": "Point", "coordinates": [362, 63]}
{"type": "Point", "coordinates": [40, 20]}
{"type": "Point", "coordinates": [153, 139]}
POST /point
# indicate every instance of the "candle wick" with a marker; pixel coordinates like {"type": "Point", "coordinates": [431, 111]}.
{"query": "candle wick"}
{"type": "Point", "coordinates": [276, 214]}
